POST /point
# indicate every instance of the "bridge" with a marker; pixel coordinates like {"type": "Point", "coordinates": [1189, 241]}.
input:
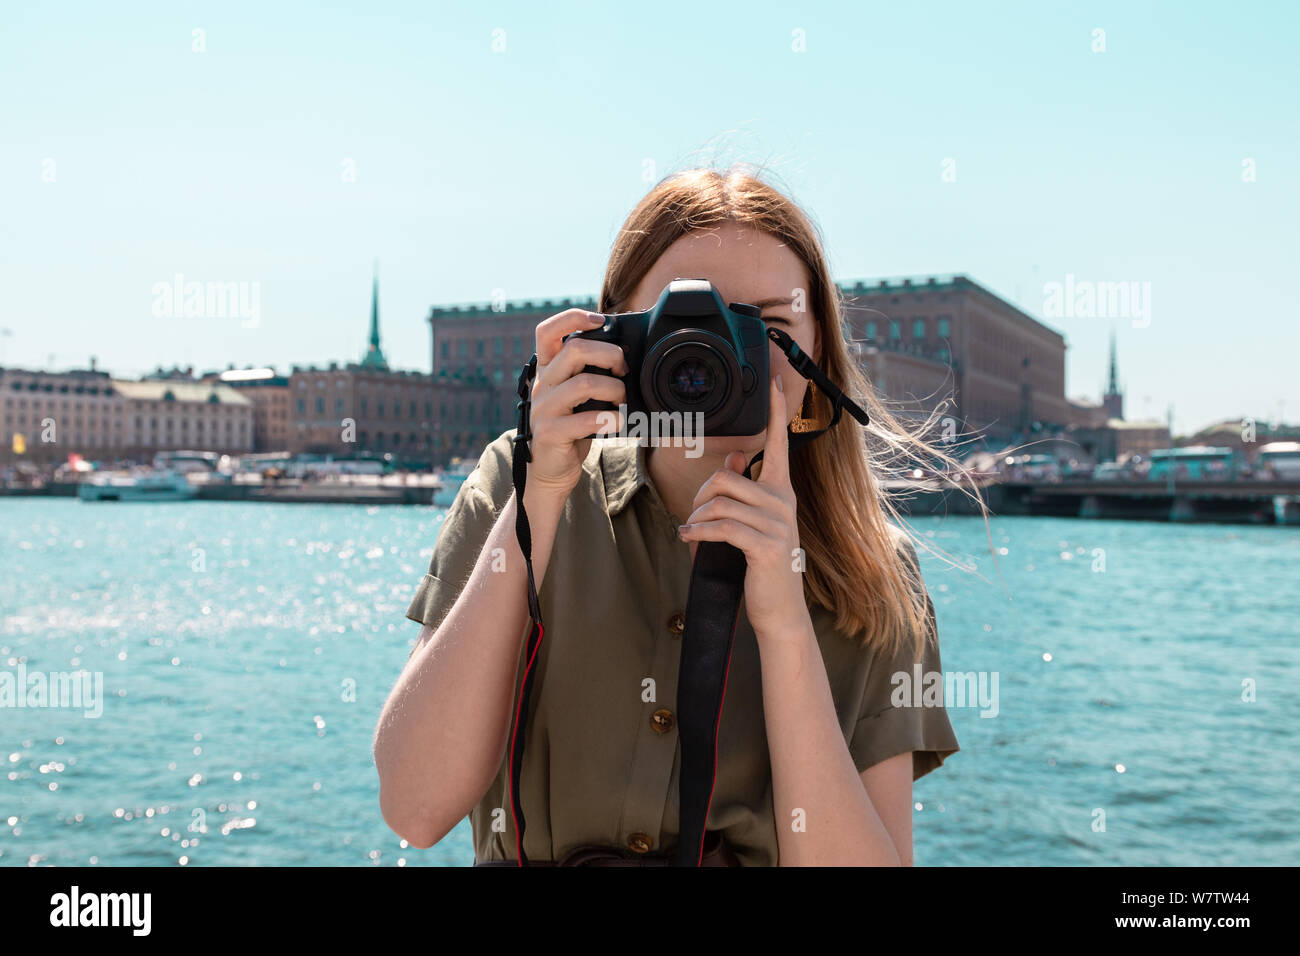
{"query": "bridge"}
{"type": "Point", "coordinates": [1228, 502]}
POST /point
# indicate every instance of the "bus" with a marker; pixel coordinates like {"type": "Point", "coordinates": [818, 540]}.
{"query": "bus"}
{"type": "Point", "coordinates": [1278, 461]}
{"type": "Point", "coordinates": [1194, 462]}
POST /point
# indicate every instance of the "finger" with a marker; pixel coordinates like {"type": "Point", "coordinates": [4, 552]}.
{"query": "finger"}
{"type": "Point", "coordinates": [776, 450]}
{"type": "Point", "coordinates": [572, 392]}
{"type": "Point", "coordinates": [576, 354]}
{"type": "Point", "coordinates": [735, 533]}
{"type": "Point", "coordinates": [551, 332]}
{"type": "Point", "coordinates": [568, 428]}
{"type": "Point", "coordinates": [727, 483]}
{"type": "Point", "coordinates": [757, 518]}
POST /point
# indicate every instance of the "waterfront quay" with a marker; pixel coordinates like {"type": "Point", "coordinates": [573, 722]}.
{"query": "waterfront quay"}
{"type": "Point", "coordinates": [414, 489]}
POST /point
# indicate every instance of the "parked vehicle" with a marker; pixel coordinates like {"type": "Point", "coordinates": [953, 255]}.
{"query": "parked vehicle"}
{"type": "Point", "coordinates": [1193, 463]}
{"type": "Point", "coordinates": [1278, 461]}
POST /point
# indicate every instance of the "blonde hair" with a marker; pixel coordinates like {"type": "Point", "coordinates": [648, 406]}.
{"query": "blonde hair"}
{"type": "Point", "coordinates": [853, 569]}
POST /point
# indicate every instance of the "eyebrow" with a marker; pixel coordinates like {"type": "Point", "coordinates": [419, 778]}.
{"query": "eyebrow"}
{"type": "Point", "coordinates": [764, 303]}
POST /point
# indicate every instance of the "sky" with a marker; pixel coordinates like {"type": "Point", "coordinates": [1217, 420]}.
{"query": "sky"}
{"type": "Point", "coordinates": [475, 147]}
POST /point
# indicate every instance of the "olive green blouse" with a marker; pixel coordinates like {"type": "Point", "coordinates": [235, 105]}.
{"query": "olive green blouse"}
{"type": "Point", "coordinates": [600, 764]}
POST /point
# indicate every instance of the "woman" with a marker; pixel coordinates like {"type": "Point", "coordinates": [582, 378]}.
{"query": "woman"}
{"type": "Point", "coordinates": [814, 762]}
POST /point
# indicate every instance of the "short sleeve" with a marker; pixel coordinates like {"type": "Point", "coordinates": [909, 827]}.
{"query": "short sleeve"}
{"type": "Point", "coordinates": [462, 534]}
{"type": "Point", "coordinates": [897, 713]}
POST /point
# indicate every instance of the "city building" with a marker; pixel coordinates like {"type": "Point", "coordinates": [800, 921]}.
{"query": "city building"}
{"type": "Point", "coordinates": [172, 414]}
{"type": "Point", "coordinates": [50, 415]}
{"type": "Point", "coordinates": [950, 339]}
{"type": "Point", "coordinates": [1101, 433]}
{"type": "Point", "coordinates": [268, 391]}
{"type": "Point", "coordinates": [367, 408]}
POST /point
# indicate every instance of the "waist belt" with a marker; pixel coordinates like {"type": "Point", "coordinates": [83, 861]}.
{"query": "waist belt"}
{"type": "Point", "coordinates": [712, 608]}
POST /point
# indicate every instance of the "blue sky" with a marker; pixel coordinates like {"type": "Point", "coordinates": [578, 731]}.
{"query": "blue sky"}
{"type": "Point", "coordinates": [126, 157]}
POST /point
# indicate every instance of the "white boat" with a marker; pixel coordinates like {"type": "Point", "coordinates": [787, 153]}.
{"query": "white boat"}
{"type": "Point", "coordinates": [450, 479]}
{"type": "Point", "coordinates": [152, 485]}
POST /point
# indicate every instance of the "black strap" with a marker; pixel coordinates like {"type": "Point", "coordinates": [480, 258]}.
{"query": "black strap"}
{"type": "Point", "coordinates": [519, 473]}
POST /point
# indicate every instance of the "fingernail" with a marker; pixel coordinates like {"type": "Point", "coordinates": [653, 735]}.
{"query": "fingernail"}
{"type": "Point", "coordinates": [682, 529]}
{"type": "Point", "coordinates": [780, 386]}
{"type": "Point", "coordinates": [595, 318]}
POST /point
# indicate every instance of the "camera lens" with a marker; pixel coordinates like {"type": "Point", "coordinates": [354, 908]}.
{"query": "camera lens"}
{"type": "Point", "coordinates": [691, 380]}
{"type": "Point", "coordinates": [690, 371]}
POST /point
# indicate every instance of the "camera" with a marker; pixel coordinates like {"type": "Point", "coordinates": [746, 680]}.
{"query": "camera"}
{"type": "Point", "coordinates": [692, 354]}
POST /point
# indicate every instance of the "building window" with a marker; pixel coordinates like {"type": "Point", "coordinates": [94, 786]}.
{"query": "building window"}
{"type": "Point", "coordinates": [320, 406]}
{"type": "Point", "coordinates": [894, 332]}
{"type": "Point", "coordinates": [379, 410]}
{"type": "Point", "coordinates": [478, 348]}
{"type": "Point", "coordinates": [462, 348]}
{"type": "Point", "coordinates": [519, 345]}
{"type": "Point", "coordinates": [302, 407]}
{"type": "Point", "coordinates": [944, 323]}
{"type": "Point", "coordinates": [338, 406]}
{"type": "Point", "coordinates": [498, 346]}
{"type": "Point", "coordinates": [871, 330]}
{"type": "Point", "coordinates": [918, 328]}
{"type": "Point", "coordinates": [446, 350]}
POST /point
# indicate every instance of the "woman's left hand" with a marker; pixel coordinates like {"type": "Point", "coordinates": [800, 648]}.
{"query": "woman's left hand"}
{"type": "Point", "coordinates": [759, 518]}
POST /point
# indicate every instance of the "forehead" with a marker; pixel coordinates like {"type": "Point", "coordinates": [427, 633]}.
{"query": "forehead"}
{"type": "Point", "coordinates": [743, 263]}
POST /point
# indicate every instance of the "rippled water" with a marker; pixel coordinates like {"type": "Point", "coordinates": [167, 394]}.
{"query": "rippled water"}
{"type": "Point", "coordinates": [247, 650]}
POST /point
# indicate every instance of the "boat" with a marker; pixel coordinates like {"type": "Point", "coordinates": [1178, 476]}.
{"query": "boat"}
{"type": "Point", "coordinates": [148, 485]}
{"type": "Point", "coordinates": [451, 478]}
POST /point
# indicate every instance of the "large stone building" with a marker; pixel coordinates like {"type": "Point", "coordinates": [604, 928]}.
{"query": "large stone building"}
{"type": "Point", "coordinates": [49, 415]}
{"type": "Point", "coordinates": [927, 341]}
{"type": "Point", "coordinates": [921, 342]}
{"type": "Point", "coordinates": [172, 414]}
{"type": "Point", "coordinates": [368, 408]}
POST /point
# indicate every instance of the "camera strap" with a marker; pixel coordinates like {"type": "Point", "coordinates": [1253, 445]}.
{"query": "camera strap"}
{"type": "Point", "coordinates": [712, 609]}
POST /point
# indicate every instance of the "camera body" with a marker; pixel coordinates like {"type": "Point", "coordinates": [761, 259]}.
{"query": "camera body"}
{"type": "Point", "coordinates": [692, 354]}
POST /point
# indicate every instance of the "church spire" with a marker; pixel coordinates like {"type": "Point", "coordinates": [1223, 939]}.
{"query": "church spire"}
{"type": "Point", "coordinates": [374, 357]}
{"type": "Point", "coordinates": [1113, 387]}
{"type": "Point", "coordinates": [1113, 400]}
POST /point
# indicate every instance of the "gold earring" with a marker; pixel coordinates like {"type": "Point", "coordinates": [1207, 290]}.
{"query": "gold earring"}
{"type": "Point", "coordinates": [809, 418]}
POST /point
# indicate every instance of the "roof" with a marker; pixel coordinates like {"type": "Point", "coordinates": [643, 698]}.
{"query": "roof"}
{"type": "Point", "coordinates": [155, 391]}
{"type": "Point", "coordinates": [1120, 424]}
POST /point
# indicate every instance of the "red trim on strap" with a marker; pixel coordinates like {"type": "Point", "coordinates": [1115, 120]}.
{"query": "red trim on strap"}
{"type": "Point", "coordinates": [519, 851]}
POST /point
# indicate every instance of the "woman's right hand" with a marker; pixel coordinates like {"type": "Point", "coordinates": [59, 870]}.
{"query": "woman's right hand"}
{"type": "Point", "coordinates": [559, 445]}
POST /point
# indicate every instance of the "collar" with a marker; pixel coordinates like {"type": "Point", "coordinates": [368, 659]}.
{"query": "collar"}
{"type": "Point", "coordinates": [623, 468]}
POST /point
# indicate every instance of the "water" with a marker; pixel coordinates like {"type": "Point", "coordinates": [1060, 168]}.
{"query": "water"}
{"type": "Point", "coordinates": [247, 650]}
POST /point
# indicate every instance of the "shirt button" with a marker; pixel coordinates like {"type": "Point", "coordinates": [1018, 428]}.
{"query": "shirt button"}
{"type": "Point", "coordinates": [677, 624]}
{"type": "Point", "coordinates": [662, 721]}
{"type": "Point", "coordinates": [639, 842]}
